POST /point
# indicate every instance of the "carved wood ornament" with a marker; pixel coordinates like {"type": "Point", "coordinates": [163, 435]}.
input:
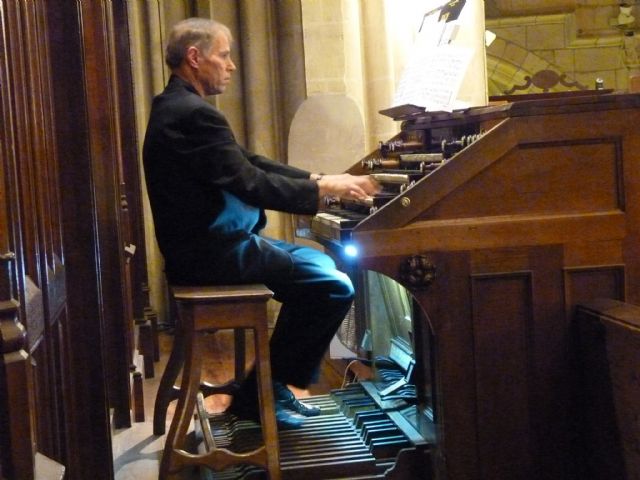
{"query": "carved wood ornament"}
{"type": "Point", "coordinates": [417, 271]}
{"type": "Point", "coordinates": [545, 80]}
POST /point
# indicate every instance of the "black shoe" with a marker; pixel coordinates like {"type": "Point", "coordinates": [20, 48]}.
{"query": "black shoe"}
{"type": "Point", "coordinates": [285, 399]}
{"type": "Point", "coordinates": [285, 420]}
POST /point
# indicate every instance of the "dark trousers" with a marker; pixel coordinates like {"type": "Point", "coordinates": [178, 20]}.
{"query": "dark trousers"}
{"type": "Point", "coordinates": [315, 299]}
{"type": "Point", "coordinates": [315, 296]}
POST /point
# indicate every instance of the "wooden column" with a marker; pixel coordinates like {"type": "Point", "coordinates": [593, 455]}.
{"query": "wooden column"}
{"type": "Point", "coordinates": [67, 219]}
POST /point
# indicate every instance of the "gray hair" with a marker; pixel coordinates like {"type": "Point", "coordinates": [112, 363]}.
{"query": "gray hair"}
{"type": "Point", "coordinates": [197, 32]}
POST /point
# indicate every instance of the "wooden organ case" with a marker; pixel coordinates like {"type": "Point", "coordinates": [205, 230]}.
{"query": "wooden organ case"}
{"type": "Point", "coordinates": [497, 220]}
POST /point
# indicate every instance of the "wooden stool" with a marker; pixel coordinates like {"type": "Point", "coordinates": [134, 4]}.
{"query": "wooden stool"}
{"type": "Point", "coordinates": [204, 310]}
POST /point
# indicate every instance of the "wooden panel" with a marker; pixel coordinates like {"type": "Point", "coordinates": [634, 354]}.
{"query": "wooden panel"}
{"type": "Point", "coordinates": [554, 157]}
{"type": "Point", "coordinates": [15, 424]}
{"type": "Point", "coordinates": [37, 204]}
{"type": "Point", "coordinates": [502, 342]}
{"type": "Point", "coordinates": [594, 253]}
{"type": "Point", "coordinates": [447, 305]}
{"type": "Point", "coordinates": [16, 455]}
{"type": "Point", "coordinates": [542, 178]}
{"type": "Point", "coordinates": [608, 345]}
{"type": "Point", "coordinates": [87, 140]}
{"type": "Point", "coordinates": [583, 284]}
{"type": "Point", "coordinates": [130, 167]}
{"type": "Point", "coordinates": [495, 232]}
{"type": "Point", "coordinates": [61, 112]}
{"type": "Point", "coordinates": [78, 341]}
{"type": "Point", "coordinates": [501, 360]}
{"type": "Point", "coordinates": [101, 89]}
{"type": "Point", "coordinates": [545, 342]}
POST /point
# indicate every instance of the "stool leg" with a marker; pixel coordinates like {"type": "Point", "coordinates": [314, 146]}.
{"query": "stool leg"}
{"type": "Point", "coordinates": [167, 390]}
{"type": "Point", "coordinates": [239, 335]}
{"type": "Point", "coordinates": [265, 396]}
{"type": "Point", "coordinates": [189, 388]}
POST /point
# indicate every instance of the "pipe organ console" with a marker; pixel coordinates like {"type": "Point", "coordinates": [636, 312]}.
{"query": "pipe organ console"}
{"type": "Point", "coordinates": [493, 223]}
{"type": "Point", "coordinates": [397, 165]}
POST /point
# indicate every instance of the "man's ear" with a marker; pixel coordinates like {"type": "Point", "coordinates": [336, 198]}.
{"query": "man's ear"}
{"type": "Point", "coordinates": [193, 56]}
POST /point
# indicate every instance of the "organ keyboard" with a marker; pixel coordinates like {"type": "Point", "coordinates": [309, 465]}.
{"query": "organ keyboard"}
{"type": "Point", "coordinates": [397, 165]}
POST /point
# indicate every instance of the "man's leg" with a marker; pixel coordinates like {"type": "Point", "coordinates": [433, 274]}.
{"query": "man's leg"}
{"type": "Point", "coordinates": [315, 300]}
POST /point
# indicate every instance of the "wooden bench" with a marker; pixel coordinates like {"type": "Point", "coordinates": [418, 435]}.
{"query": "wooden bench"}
{"type": "Point", "coordinates": [607, 335]}
{"type": "Point", "coordinates": [200, 311]}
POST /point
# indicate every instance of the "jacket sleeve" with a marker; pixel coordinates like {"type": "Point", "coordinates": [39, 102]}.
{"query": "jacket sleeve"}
{"type": "Point", "coordinates": [273, 166]}
{"type": "Point", "coordinates": [212, 153]}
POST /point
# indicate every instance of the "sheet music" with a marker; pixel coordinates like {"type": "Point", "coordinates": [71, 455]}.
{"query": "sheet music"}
{"type": "Point", "coordinates": [433, 82]}
{"type": "Point", "coordinates": [434, 73]}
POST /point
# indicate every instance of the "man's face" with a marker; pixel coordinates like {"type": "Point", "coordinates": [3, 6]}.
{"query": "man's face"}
{"type": "Point", "coordinates": [216, 66]}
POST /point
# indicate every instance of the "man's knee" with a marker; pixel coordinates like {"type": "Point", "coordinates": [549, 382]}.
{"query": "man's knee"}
{"type": "Point", "coordinates": [342, 286]}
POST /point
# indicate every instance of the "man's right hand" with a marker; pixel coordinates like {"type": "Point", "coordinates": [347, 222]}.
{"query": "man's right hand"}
{"type": "Point", "coordinates": [347, 186]}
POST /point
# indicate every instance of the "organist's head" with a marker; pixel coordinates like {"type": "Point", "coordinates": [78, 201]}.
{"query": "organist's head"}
{"type": "Point", "coordinates": [199, 51]}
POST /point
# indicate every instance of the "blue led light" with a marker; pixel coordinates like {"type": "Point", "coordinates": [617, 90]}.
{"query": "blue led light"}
{"type": "Point", "coordinates": [351, 250]}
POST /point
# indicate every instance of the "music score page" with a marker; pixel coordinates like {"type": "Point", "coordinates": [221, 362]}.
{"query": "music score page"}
{"type": "Point", "coordinates": [434, 73]}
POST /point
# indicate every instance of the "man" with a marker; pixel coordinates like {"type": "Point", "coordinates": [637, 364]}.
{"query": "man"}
{"type": "Point", "coordinates": [208, 196]}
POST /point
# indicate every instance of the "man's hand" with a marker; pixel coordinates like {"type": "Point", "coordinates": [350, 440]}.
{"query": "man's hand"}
{"type": "Point", "coordinates": [347, 186]}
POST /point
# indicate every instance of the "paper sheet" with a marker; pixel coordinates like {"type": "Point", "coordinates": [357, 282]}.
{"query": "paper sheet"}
{"type": "Point", "coordinates": [435, 71]}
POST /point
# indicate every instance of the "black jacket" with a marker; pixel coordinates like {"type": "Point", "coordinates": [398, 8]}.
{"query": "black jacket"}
{"type": "Point", "coordinates": [207, 193]}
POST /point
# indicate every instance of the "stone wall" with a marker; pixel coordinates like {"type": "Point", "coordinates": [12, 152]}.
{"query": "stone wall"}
{"type": "Point", "coordinates": [586, 43]}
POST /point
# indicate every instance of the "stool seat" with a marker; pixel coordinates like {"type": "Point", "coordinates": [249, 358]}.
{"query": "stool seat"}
{"type": "Point", "coordinates": [220, 293]}
{"type": "Point", "coordinates": [206, 309]}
